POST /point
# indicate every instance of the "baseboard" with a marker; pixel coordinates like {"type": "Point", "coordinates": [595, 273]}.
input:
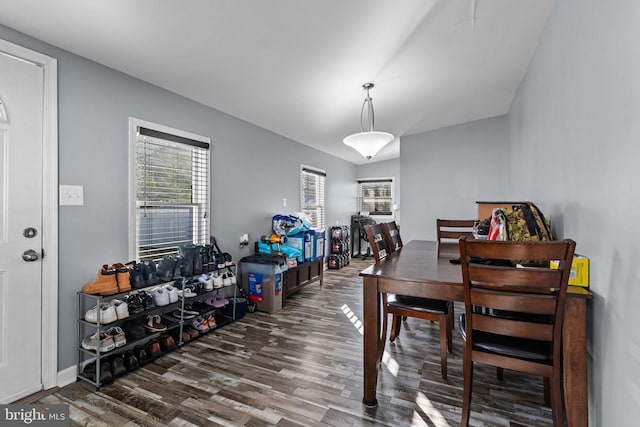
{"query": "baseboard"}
{"type": "Point", "coordinates": [67, 376]}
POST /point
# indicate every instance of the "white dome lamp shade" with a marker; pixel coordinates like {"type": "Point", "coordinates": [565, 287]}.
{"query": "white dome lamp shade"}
{"type": "Point", "coordinates": [368, 142]}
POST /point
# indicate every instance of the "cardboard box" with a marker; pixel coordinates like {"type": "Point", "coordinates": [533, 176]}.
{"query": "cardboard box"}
{"type": "Point", "coordinates": [579, 275]}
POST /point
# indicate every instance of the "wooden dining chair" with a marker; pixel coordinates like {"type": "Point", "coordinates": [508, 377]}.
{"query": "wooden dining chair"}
{"type": "Point", "coordinates": [409, 306]}
{"type": "Point", "coordinates": [452, 229]}
{"type": "Point", "coordinates": [392, 235]}
{"type": "Point", "coordinates": [520, 326]}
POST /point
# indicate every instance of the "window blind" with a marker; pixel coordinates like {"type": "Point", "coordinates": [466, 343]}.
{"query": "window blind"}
{"type": "Point", "coordinates": [375, 196]}
{"type": "Point", "coordinates": [172, 192]}
{"type": "Point", "coordinates": [312, 184]}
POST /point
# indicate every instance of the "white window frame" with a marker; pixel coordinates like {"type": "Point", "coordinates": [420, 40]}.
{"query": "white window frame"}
{"type": "Point", "coordinates": [313, 170]}
{"type": "Point", "coordinates": [374, 215]}
{"type": "Point", "coordinates": [134, 124]}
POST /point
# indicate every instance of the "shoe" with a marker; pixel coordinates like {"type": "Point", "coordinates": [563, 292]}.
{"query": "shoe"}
{"type": "Point", "coordinates": [218, 281]}
{"type": "Point", "coordinates": [105, 342]}
{"type": "Point", "coordinates": [153, 349]}
{"type": "Point", "coordinates": [153, 324]}
{"type": "Point", "coordinates": [200, 324]}
{"type": "Point", "coordinates": [217, 301]}
{"type": "Point", "coordinates": [141, 354]}
{"type": "Point", "coordinates": [121, 307]}
{"type": "Point", "coordinates": [188, 252]}
{"type": "Point", "coordinates": [136, 275]}
{"type": "Point", "coordinates": [167, 342]}
{"type": "Point", "coordinates": [187, 293]}
{"type": "Point", "coordinates": [220, 261]}
{"type": "Point", "coordinates": [134, 303]}
{"type": "Point", "coordinates": [130, 360]}
{"type": "Point", "coordinates": [226, 279]}
{"type": "Point", "coordinates": [186, 337]}
{"type": "Point", "coordinates": [227, 259]}
{"type": "Point", "coordinates": [149, 272]}
{"type": "Point", "coordinates": [107, 314]}
{"type": "Point", "coordinates": [233, 278]}
{"type": "Point", "coordinates": [211, 321]}
{"type": "Point", "coordinates": [117, 366]}
{"type": "Point", "coordinates": [179, 314]}
{"type": "Point", "coordinates": [104, 284]}
{"type": "Point", "coordinates": [193, 333]}
{"type": "Point", "coordinates": [134, 330]}
{"type": "Point", "coordinates": [165, 269]}
{"type": "Point", "coordinates": [173, 293]}
{"type": "Point", "coordinates": [118, 336]}
{"type": "Point", "coordinates": [122, 277]}
{"type": "Point", "coordinates": [206, 281]}
{"type": "Point", "coordinates": [89, 371]}
{"type": "Point", "coordinates": [177, 271]}
{"type": "Point", "coordinates": [160, 297]}
{"type": "Point", "coordinates": [147, 300]}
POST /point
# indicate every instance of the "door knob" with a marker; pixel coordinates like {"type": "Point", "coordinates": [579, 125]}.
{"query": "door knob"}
{"type": "Point", "coordinates": [30, 255]}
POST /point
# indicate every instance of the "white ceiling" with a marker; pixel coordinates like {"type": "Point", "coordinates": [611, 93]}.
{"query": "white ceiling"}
{"type": "Point", "coordinates": [296, 67]}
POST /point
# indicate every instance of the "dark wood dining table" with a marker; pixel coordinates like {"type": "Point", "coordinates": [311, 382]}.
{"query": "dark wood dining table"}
{"type": "Point", "coordinates": [417, 270]}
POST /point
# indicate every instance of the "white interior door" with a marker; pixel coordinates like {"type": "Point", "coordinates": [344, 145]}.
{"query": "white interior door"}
{"type": "Point", "coordinates": [21, 219]}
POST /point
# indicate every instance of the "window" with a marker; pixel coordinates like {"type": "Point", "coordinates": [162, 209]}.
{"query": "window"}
{"type": "Point", "coordinates": [375, 195]}
{"type": "Point", "coordinates": [170, 183]}
{"type": "Point", "coordinates": [312, 195]}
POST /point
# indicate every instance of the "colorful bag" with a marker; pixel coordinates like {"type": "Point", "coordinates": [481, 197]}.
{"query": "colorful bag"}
{"type": "Point", "coordinates": [521, 222]}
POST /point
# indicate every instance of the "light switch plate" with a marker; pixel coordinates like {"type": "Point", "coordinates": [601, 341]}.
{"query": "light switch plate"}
{"type": "Point", "coordinates": [71, 195]}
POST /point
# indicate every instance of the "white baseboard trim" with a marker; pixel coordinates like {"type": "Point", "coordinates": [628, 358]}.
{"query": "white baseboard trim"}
{"type": "Point", "coordinates": [67, 376]}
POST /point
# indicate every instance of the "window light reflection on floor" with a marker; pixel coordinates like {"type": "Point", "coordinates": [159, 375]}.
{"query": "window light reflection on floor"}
{"type": "Point", "coordinates": [389, 361]}
{"type": "Point", "coordinates": [435, 416]}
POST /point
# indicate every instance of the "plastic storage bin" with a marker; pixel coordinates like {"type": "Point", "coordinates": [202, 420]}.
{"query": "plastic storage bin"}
{"type": "Point", "coordinates": [262, 281]}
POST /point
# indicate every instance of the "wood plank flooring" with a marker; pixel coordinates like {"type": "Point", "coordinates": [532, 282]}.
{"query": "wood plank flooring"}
{"type": "Point", "coordinates": [302, 366]}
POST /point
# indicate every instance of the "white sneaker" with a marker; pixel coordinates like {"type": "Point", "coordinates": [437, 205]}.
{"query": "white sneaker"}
{"type": "Point", "coordinates": [218, 282]}
{"type": "Point", "coordinates": [160, 296]}
{"type": "Point", "coordinates": [188, 293]}
{"type": "Point", "coordinates": [207, 282]}
{"type": "Point", "coordinates": [107, 314]}
{"type": "Point", "coordinates": [173, 293]}
{"type": "Point", "coordinates": [234, 280]}
{"type": "Point", "coordinates": [118, 336]}
{"type": "Point", "coordinates": [122, 308]}
{"type": "Point", "coordinates": [226, 280]}
{"type": "Point", "coordinates": [106, 342]}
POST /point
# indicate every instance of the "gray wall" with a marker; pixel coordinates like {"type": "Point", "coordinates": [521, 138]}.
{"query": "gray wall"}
{"type": "Point", "coordinates": [574, 123]}
{"type": "Point", "coordinates": [252, 171]}
{"type": "Point", "coordinates": [444, 172]}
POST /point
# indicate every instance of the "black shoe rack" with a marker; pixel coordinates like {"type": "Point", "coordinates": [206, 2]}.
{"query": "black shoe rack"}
{"type": "Point", "coordinates": [98, 368]}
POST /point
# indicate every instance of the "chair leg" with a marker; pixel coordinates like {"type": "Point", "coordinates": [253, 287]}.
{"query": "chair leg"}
{"type": "Point", "coordinates": [500, 374]}
{"type": "Point", "coordinates": [547, 391]}
{"type": "Point", "coordinates": [444, 326]}
{"type": "Point", "coordinates": [557, 407]}
{"type": "Point", "coordinates": [468, 383]}
{"type": "Point", "coordinates": [394, 328]}
{"type": "Point", "coordinates": [449, 331]}
{"type": "Point", "coordinates": [383, 334]}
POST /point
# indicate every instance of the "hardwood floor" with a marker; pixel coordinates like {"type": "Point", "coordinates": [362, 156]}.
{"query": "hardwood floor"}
{"type": "Point", "coordinates": [302, 366]}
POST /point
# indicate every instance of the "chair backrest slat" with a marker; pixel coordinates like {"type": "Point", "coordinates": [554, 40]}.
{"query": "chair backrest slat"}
{"type": "Point", "coordinates": [392, 234]}
{"type": "Point", "coordinates": [377, 241]}
{"type": "Point", "coordinates": [453, 229]}
{"type": "Point", "coordinates": [512, 328]}
{"type": "Point", "coordinates": [523, 303]}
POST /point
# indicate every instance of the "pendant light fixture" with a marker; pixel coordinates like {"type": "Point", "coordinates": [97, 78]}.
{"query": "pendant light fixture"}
{"type": "Point", "coordinates": [368, 142]}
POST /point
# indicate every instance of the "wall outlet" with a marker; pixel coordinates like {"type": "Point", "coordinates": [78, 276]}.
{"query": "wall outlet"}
{"type": "Point", "coordinates": [71, 195]}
